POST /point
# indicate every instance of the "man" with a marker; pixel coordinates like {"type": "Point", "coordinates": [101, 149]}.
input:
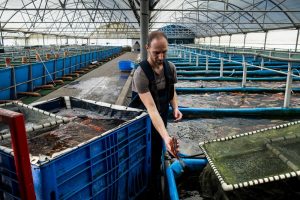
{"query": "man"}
{"type": "Point", "coordinates": [154, 81]}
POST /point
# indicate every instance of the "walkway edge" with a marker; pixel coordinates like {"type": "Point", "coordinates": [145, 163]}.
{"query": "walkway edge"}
{"type": "Point", "coordinates": [123, 95]}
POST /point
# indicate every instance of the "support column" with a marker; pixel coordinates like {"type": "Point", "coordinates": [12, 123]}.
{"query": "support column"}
{"type": "Point", "coordinates": [265, 42]}
{"type": "Point", "coordinates": [144, 20]}
{"type": "Point", "coordinates": [43, 39]}
{"type": "Point", "coordinates": [244, 80]}
{"type": "Point", "coordinates": [1, 37]}
{"type": "Point", "coordinates": [244, 45]}
{"type": "Point", "coordinates": [262, 64]}
{"type": "Point", "coordinates": [288, 87]}
{"type": "Point", "coordinates": [25, 39]}
{"type": "Point", "coordinates": [221, 67]}
{"type": "Point", "coordinates": [297, 40]}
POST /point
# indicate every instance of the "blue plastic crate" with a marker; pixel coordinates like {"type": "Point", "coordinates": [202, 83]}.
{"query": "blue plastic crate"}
{"type": "Point", "coordinates": [113, 166]}
{"type": "Point", "coordinates": [126, 65]}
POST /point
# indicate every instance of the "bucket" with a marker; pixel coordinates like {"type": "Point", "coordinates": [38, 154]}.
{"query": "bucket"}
{"type": "Point", "coordinates": [126, 65]}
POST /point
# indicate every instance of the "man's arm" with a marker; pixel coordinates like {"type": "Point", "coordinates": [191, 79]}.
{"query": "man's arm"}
{"type": "Point", "coordinates": [174, 103]}
{"type": "Point", "coordinates": [157, 121]}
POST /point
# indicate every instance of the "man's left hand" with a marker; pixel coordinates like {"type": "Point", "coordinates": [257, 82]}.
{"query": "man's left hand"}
{"type": "Point", "coordinates": [177, 115]}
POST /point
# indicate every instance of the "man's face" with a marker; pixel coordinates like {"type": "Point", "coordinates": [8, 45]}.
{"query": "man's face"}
{"type": "Point", "coordinates": [157, 50]}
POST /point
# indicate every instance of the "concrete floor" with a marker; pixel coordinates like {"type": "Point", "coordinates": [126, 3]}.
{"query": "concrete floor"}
{"type": "Point", "coordinates": [102, 84]}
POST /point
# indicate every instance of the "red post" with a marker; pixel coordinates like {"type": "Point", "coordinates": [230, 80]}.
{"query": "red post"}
{"type": "Point", "coordinates": [21, 153]}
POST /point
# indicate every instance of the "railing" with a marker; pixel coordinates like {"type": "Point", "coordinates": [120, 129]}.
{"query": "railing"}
{"type": "Point", "coordinates": [193, 52]}
{"type": "Point", "coordinates": [27, 77]}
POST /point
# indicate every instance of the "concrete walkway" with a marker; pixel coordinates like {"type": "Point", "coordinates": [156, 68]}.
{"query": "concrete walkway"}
{"type": "Point", "coordinates": [102, 84]}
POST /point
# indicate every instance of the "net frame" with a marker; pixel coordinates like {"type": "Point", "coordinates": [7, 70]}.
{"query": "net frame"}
{"type": "Point", "coordinates": [229, 187]}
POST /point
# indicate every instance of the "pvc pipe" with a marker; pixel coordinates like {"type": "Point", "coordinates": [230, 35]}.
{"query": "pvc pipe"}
{"type": "Point", "coordinates": [236, 73]}
{"type": "Point", "coordinates": [191, 164]}
{"type": "Point", "coordinates": [234, 79]}
{"type": "Point", "coordinates": [233, 89]}
{"type": "Point", "coordinates": [175, 170]}
{"type": "Point", "coordinates": [231, 67]}
{"type": "Point", "coordinates": [172, 184]}
{"type": "Point", "coordinates": [233, 112]}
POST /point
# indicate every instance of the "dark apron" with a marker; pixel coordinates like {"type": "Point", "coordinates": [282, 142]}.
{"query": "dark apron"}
{"type": "Point", "coordinates": [162, 99]}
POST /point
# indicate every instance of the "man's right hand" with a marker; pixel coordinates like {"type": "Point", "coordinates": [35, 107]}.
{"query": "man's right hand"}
{"type": "Point", "coordinates": [172, 145]}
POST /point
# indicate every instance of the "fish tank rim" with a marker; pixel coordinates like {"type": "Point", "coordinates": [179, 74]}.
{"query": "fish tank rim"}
{"type": "Point", "coordinates": [43, 159]}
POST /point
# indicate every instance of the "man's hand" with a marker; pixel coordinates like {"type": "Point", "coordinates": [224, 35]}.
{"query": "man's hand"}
{"type": "Point", "coordinates": [172, 146]}
{"type": "Point", "coordinates": [177, 115]}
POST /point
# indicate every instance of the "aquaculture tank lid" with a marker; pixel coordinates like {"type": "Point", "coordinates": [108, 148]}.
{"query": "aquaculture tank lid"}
{"type": "Point", "coordinates": [257, 157]}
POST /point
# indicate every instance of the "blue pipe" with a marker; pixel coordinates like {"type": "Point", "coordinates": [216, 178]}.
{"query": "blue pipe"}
{"type": "Point", "coordinates": [233, 89]}
{"type": "Point", "coordinates": [235, 79]}
{"type": "Point", "coordinates": [175, 170]}
{"type": "Point", "coordinates": [172, 184]}
{"type": "Point", "coordinates": [233, 112]}
{"type": "Point", "coordinates": [232, 67]}
{"type": "Point", "coordinates": [233, 73]}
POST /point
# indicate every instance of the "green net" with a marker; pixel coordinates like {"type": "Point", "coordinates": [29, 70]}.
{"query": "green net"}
{"type": "Point", "coordinates": [256, 157]}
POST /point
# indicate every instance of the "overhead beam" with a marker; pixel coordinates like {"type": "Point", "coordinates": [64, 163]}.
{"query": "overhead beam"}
{"type": "Point", "coordinates": [155, 9]}
{"type": "Point", "coordinates": [134, 22]}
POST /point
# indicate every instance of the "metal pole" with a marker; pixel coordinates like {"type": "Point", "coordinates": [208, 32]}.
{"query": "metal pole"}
{"type": "Point", "coordinates": [206, 63]}
{"type": "Point", "coordinates": [262, 64]}
{"type": "Point", "coordinates": [244, 40]}
{"type": "Point", "coordinates": [297, 40]}
{"type": "Point", "coordinates": [244, 72]}
{"type": "Point", "coordinates": [266, 35]}
{"type": "Point", "coordinates": [221, 67]}
{"type": "Point", "coordinates": [190, 57]}
{"type": "Point", "coordinates": [288, 87]}
{"type": "Point", "coordinates": [197, 60]}
{"type": "Point", "coordinates": [144, 16]}
{"type": "Point", "coordinates": [1, 36]}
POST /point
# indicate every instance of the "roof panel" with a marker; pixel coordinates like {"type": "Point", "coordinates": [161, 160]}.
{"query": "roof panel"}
{"type": "Point", "coordinates": [205, 18]}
